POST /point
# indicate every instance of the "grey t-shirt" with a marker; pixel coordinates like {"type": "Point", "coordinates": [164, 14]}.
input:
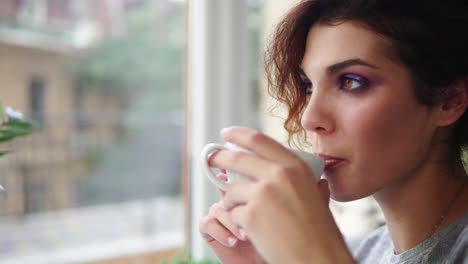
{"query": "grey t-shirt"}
{"type": "Point", "coordinates": [450, 245]}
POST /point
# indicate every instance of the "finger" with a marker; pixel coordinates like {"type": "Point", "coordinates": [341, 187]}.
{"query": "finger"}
{"type": "Point", "coordinates": [242, 163]}
{"type": "Point", "coordinates": [211, 229]}
{"type": "Point", "coordinates": [238, 194]}
{"type": "Point", "coordinates": [239, 216]}
{"type": "Point", "coordinates": [222, 176]}
{"type": "Point", "coordinates": [224, 218]}
{"type": "Point", "coordinates": [259, 143]}
{"type": "Point", "coordinates": [324, 191]}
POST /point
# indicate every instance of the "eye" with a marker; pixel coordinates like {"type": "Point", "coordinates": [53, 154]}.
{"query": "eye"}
{"type": "Point", "coordinates": [306, 85]}
{"type": "Point", "coordinates": [353, 82]}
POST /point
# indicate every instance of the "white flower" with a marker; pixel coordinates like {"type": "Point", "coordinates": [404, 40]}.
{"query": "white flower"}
{"type": "Point", "coordinates": [3, 192]}
{"type": "Point", "coordinates": [12, 113]}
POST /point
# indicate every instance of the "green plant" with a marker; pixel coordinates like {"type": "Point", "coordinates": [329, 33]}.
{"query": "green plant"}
{"type": "Point", "coordinates": [12, 125]}
{"type": "Point", "coordinates": [182, 258]}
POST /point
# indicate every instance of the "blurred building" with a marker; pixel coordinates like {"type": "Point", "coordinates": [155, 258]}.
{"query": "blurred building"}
{"type": "Point", "coordinates": [38, 41]}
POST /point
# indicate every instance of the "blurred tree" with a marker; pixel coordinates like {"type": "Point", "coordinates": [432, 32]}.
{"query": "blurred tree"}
{"type": "Point", "coordinates": [143, 55]}
{"type": "Point", "coordinates": [142, 62]}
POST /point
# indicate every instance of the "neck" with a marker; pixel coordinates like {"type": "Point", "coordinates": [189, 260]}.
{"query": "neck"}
{"type": "Point", "coordinates": [414, 205]}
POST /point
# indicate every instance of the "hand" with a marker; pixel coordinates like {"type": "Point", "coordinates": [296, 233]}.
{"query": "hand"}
{"type": "Point", "coordinates": [229, 243]}
{"type": "Point", "coordinates": [283, 211]}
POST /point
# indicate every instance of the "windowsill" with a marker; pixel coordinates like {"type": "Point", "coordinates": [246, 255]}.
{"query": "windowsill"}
{"type": "Point", "coordinates": [105, 251]}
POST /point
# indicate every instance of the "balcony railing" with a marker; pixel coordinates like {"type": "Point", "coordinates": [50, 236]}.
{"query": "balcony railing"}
{"type": "Point", "coordinates": [107, 189]}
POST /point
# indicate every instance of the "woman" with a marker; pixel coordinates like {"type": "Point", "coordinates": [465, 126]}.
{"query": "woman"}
{"type": "Point", "coordinates": [380, 89]}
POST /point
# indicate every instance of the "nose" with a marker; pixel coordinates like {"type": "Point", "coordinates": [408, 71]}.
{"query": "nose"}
{"type": "Point", "coordinates": [318, 115]}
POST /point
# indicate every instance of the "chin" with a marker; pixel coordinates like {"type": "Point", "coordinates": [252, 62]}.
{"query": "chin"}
{"type": "Point", "coordinates": [344, 193]}
{"type": "Point", "coordinates": [341, 197]}
{"type": "Point", "coordinates": [342, 187]}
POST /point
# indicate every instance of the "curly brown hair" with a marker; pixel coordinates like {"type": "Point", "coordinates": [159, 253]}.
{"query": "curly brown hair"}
{"type": "Point", "coordinates": [428, 37]}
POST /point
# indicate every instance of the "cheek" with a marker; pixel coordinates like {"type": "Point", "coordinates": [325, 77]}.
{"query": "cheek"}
{"type": "Point", "coordinates": [388, 135]}
{"type": "Point", "coordinates": [372, 125]}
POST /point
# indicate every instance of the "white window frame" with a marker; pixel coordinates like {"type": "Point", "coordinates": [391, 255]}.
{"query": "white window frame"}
{"type": "Point", "coordinates": [219, 95]}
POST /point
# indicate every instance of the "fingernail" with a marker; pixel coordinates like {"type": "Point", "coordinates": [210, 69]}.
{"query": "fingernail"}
{"type": "Point", "coordinates": [242, 234]}
{"type": "Point", "coordinates": [224, 130]}
{"type": "Point", "coordinates": [222, 177]}
{"type": "Point", "coordinates": [232, 241]}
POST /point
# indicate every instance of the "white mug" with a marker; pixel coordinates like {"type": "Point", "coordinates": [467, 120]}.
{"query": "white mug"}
{"type": "Point", "coordinates": [315, 163]}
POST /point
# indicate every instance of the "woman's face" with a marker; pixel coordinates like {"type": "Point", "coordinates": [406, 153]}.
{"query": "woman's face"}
{"type": "Point", "coordinates": [361, 111]}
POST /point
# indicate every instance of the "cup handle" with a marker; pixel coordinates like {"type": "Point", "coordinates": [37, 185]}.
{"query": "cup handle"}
{"type": "Point", "coordinates": [206, 152]}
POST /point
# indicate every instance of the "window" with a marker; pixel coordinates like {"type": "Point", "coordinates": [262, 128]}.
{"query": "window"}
{"type": "Point", "coordinates": [37, 99]}
{"type": "Point", "coordinates": [35, 192]}
{"type": "Point", "coordinates": [111, 175]}
{"type": "Point", "coordinates": [100, 179]}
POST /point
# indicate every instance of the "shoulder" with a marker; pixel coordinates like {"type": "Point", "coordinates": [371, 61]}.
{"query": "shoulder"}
{"type": "Point", "coordinates": [449, 246]}
{"type": "Point", "coordinates": [459, 249]}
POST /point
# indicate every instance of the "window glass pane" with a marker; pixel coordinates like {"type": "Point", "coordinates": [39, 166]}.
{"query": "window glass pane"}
{"type": "Point", "coordinates": [37, 97]}
{"type": "Point", "coordinates": [100, 177]}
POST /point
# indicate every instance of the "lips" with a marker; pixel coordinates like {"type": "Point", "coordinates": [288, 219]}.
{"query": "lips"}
{"type": "Point", "coordinates": [330, 161]}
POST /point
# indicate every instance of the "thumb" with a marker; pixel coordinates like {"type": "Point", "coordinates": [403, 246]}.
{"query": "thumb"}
{"type": "Point", "coordinates": [324, 191]}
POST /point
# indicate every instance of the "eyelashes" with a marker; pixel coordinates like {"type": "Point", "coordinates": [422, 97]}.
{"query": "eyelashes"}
{"type": "Point", "coordinates": [306, 85]}
{"type": "Point", "coordinates": [347, 82]}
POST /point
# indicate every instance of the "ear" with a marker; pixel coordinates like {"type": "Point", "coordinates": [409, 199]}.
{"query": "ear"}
{"type": "Point", "coordinates": [454, 104]}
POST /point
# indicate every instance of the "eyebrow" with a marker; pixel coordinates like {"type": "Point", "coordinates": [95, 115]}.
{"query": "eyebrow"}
{"type": "Point", "coordinates": [333, 69]}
